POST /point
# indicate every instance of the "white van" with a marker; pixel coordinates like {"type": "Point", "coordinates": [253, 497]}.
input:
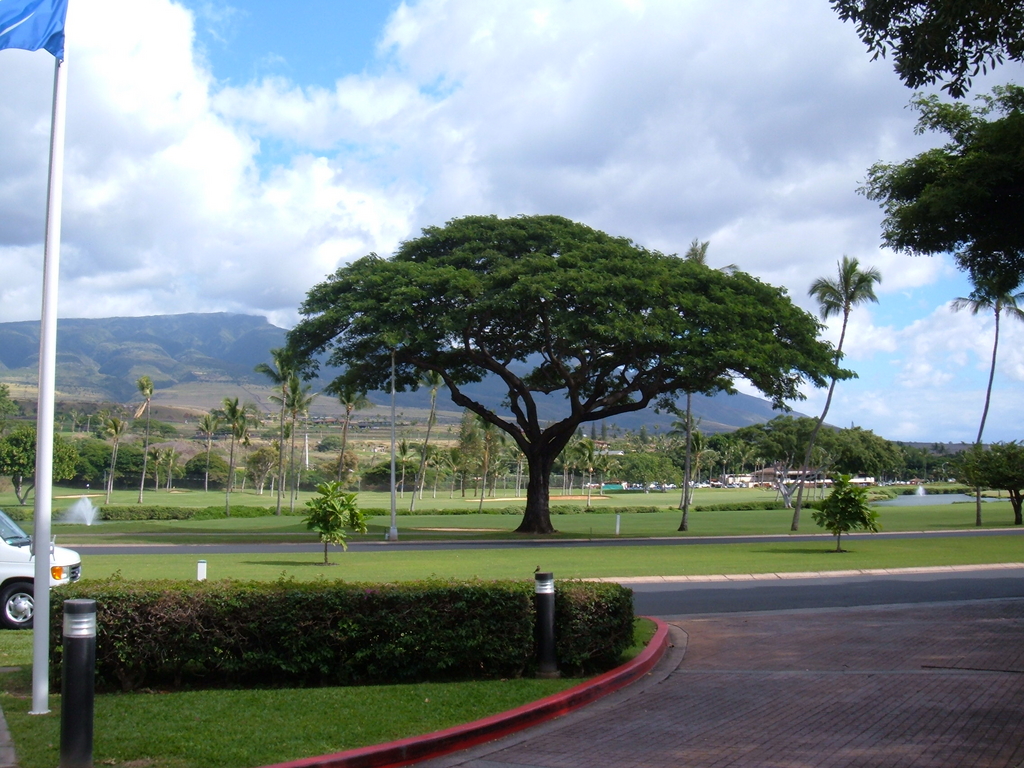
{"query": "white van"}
{"type": "Point", "coordinates": [17, 573]}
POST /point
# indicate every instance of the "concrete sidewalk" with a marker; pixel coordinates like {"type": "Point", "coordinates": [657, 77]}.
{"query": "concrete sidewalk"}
{"type": "Point", "coordinates": [922, 685]}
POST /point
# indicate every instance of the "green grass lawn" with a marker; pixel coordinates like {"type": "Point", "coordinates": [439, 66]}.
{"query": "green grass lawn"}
{"type": "Point", "coordinates": [398, 564]}
{"type": "Point", "coordinates": [244, 728]}
{"type": "Point", "coordinates": [594, 525]}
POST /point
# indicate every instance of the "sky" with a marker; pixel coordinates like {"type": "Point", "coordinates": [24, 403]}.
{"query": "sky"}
{"type": "Point", "coordinates": [227, 156]}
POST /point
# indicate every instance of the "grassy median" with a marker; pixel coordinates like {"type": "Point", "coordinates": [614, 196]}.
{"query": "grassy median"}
{"type": "Point", "coordinates": [246, 728]}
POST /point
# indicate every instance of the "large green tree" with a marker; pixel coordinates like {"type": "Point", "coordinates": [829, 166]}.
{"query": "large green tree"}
{"type": "Point", "coordinates": [558, 312]}
{"type": "Point", "coordinates": [963, 198]}
{"type": "Point", "coordinates": [18, 459]}
{"type": "Point", "coordinates": [931, 40]}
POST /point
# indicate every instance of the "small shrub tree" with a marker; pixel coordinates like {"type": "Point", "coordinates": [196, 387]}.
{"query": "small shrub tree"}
{"type": "Point", "coordinates": [846, 509]}
{"type": "Point", "coordinates": [331, 512]}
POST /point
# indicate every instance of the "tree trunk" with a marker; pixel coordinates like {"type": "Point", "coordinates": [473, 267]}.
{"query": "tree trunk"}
{"type": "Point", "coordinates": [344, 443]}
{"type": "Point", "coordinates": [280, 454]}
{"type": "Point", "coordinates": [795, 525]}
{"type": "Point", "coordinates": [421, 475]}
{"type": "Point", "coordinates": [291, 470]}
{"type": "Point", "coordinates": [145, 455]}
{"type": "Point", "coordinates": [231, 478]}
{"type": "Point", "coordinates": [537, 518]}
{"type": "Point", "coordinates": [206, 476]}
{"type": "Point", "coordinates": [684, 502]}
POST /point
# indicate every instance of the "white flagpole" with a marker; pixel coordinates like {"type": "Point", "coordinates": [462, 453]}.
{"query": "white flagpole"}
{"type": "Point", "coordinates": [44, 411]}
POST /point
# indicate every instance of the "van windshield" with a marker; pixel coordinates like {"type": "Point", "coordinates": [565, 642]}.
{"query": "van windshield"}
{"type": "Point", "coordinates": [11, 532]}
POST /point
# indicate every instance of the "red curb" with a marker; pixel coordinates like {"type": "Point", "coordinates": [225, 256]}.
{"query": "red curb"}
{"type": "Point", "coordinates": [430, 745]}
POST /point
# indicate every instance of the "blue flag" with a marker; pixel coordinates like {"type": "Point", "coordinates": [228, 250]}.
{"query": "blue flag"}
{"type": "Point", "coordinates": [33, 24]}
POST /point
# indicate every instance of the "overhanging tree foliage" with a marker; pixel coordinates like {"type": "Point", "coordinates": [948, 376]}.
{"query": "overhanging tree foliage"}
{"type": "Point", "coordinates": [933, 40]}
{"type": "Point", "coordinates": [552, 307]}
{"type": "Point", "coordinates": [967, 197]}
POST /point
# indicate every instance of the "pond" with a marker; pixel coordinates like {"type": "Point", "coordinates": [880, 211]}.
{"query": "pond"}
{"type": "Point", "coordinates": [915, 500]}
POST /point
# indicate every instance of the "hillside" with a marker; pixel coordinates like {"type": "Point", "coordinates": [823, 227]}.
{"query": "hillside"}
{"type": "Point", "coordinates": [195, 360]}
{"type": "Point", "coordinates": [101, 359]}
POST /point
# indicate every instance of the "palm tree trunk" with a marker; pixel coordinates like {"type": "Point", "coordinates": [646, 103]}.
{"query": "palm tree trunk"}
{"type": "Point", "coordinates": [483, 483]}
{"type": "Point", "coordinates": [231, 478]}
{"type": "Point", "coordinates": [206, 476]}
{"type": "Point", "coordinates": [344, 443]}
{"type": "Point", "coordinates": [280, 456]}
{"type": "Point", "coordinates": [684, 503]}
{"type": "Point", "coordinates": [984, 412]}
{"type": "Point", "coordinates": [145, 455]}
{"type": "Point", "coordinates": [420, 476]}
{"type": "Point", "coordinates": [291, 469]}
{"type": "Point", "coordinates": [795, 525]}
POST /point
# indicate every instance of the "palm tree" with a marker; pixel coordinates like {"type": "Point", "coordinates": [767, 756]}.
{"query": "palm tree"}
{"type": "Point", "coordinates": [698, 252]}
{"type": "Point", "coordinates": [491, 441]}
{"type": "Point", "coordinates": [145, 386]}
{"type": "Point", "coordinates": [115, 428]}
{"type": "Point", "coordinates": [403, 456]}
{"type": "Point", "coordinates": [852, 286]}
{"type": "Point", "coordinates": [158, 456]}
{"type": "Point", "coordinates": [238, 418]}
{"type": "Point", "coordinates": [997, 293]}
{"type": "Point", "coordinates": [604, 465]}
{"type": "Point", "coordinates": [298, 404]}
{"type": "Point", "coordinates": [687, 430]}
{"type": "Point", "coordinates": [433, 380]}
{"type": "Point", "coordinates": [280, 374]}
{"type": "Point", "coordinates": [351, 399]}
{"type": "Point", "coordinates": [585, 454]}
{"type": "Point", "coordinates": [171, 457]}
{"type": "Point", "coordinates": [207, 426]}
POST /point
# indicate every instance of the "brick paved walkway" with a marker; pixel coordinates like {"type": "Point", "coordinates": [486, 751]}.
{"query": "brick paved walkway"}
{"type": "Point", "coordinates": [922, 685]}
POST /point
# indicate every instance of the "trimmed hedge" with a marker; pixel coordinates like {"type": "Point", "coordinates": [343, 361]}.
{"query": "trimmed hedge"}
{"type": "Point", "coordinates": [752, 505]}
{"type": "Point", "coordinates": [155, 512]}
{"type": "Point", "coordinates": [226, 633]}
{"type": "Point", "coordinates": [738, 505]}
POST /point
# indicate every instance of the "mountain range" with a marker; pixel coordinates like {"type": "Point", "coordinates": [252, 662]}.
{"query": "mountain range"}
{"type": "Point", "coordinates": [195, 360]}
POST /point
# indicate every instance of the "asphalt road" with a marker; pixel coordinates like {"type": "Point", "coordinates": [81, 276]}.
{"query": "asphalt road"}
{"type": "Point", "coordinates": [675, 600]}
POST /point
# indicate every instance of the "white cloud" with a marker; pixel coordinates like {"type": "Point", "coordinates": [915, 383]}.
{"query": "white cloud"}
{"type": "Point", "coordinates": [750, 126]}
{"type": "Point", "coordinates": [166, 209]}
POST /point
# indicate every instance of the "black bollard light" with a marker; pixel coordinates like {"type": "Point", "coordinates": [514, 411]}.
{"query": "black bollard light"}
{"type": "Point", "coordinates": [544, 602]}
{"type": "Point", "coordinates": [78, 670]}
